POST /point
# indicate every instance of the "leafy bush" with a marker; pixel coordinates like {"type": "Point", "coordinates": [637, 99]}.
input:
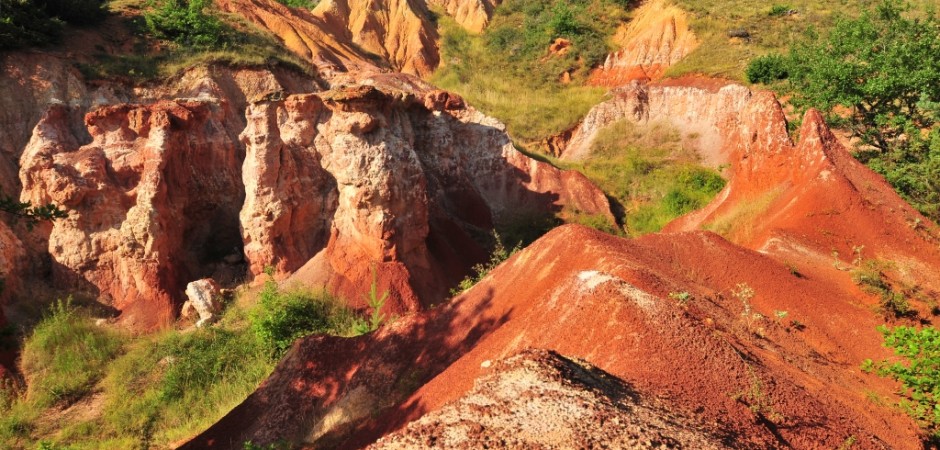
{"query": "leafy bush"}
{"type": "Point", "coordinates": [76, 12]}
{"type": "Point", "coordinates": [767, 69]}
{"type": "Point", "coordinates": [779, 10]}
{"type": "Point", "coordinates": [918, 372]}
{"type": "Point", "coordinates": [65, 356]}
{"type": "Point", "coordinates": [308, 4]}
{"type": "Point", "coordinates": [26, 23]}
{"type": "Point", "coordinates": [186, 23]}
{"type": "Point", "coordinates": [882, 70]}
{"type": "Point", "coordinates": [498, 255]}
{"type": "Point", "coordinates": [283, 317]}
{"type": "Point", "coordinates": [871, 278]}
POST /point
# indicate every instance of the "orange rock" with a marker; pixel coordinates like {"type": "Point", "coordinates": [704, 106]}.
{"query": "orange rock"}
{"type": "Point", "coordinates": [657, 37]}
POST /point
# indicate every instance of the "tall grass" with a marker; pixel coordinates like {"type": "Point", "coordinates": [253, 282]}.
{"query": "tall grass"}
{"type": "Point", "coordinates": [770, 31]}
{"type": "Point", "coordinates": [65, 356]}
{"type": "Point", "coordinates": [91, 387]}
{"type": "Point", "coordinates": [650, 172]}
{"type": "Point", "coordinates": [508, 72]}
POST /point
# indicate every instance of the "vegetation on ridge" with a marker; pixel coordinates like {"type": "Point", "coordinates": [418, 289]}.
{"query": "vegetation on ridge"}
{"type": "Point", "coordinates": [94, 387]}
{"type": "Point", "coordinates": [509, 73]}
{"type": "Point", "coordinates": [878, 76]}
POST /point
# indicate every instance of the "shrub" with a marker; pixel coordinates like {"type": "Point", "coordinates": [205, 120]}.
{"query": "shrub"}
{"type": "Point", "coordinates": [186, 23]}
{"type": "Point", "coordinates": [871, 278]}
{"type": "Point", "coordinates": [779, 10]}
{"type": "Point", "coordinates": [375, 302]}
{"type": "Point", "coordinates": [308, 4]}
{"type": "Point", "coordinates": [479, 271]}
{"type": "Point", "coordinates": [767, 69]}
{"type": "Point", "coordinates": [27, 23]}
{"type": "Point", "coordinates": [65, 356]}
{"type": "Point", "coordinates": [283, 317]}
{"type": "Point", "coordinates": [918, 372]}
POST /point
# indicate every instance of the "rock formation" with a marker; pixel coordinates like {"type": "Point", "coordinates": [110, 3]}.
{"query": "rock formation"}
{"type": "Point", "coordinates": [350, 181]}
{"type": "Point", "coordinates": [153, 201]}
{"type": "Point", "coordinates": [335, 186]}
{"type": "Point", "coordinates": [703, 111]}
{"type": "Point", "coordinates": [474, 15]}
{"type": "Point", "coordinates": [657, 37]}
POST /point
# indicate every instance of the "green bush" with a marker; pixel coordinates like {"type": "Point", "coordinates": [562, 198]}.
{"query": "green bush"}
{"type": "Point", "coordinates": [308, 4]}
{"type": "Point", "coordinates": [283, 317]}
{"type": "Point", "coordinates": [186, 23]}
{"type": "Point", "coordinates": [881, 71]}
{"type": "Point", "coordinates": [65, 356]}
{"type": "Point", "coordinates": [779, 10]}
{"type": "Point", "coordinates": [918, 372]}
{"type": "Point", "coordinates": [767, 69]}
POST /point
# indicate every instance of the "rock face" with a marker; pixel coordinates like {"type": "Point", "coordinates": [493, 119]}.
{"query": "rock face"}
{"type": "Point", "coordinates": [348, 35]}
{"type": "Point", "coordinates": [703, 111]}
{"type": "Point", "coordinates": [390, 177]}
{"type": "Point", "coordinates": [153, 201]}
{"type": "Point", "coordinates": [347, 181]}
{"type": "Point", "coordinates": [657, 37]}
{"type": "Point", "coordinates": [474, 15]}
{"type": "Point", "coordinates": [539, 399]}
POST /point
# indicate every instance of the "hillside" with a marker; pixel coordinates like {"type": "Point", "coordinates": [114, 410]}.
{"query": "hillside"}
{"type": "Point", "coordinates": [265, 224]}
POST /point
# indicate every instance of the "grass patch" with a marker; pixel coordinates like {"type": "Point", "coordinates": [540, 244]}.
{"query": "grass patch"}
{"type": "Point", "coordinates": [740, 220]}
{"type": "Point", "coordinates": [152, 390]}
{"type": "Point", "coordinates": [650, 173]}
{"type": "Point", "coordinates": [507, 70]}
{"type": "Point", "coordinates": [188, 36]}
{"type": "Point", "coordinates": [65, 356]}
{"type": "Point", "coordinates": [771, 29]}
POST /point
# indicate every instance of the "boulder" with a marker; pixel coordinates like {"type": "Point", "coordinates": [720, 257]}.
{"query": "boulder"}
{"type": "Point", "coordinates": [205, 298]}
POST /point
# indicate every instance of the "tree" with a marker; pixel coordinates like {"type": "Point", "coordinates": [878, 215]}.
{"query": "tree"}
{"type": "Point", "coordinates": [879, 76]}
{"type": "Point", "coordinates": [32, 215]}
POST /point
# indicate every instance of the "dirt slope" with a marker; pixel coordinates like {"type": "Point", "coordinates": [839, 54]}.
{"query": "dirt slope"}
{"type": "Point", "coordinates": [758, 384]}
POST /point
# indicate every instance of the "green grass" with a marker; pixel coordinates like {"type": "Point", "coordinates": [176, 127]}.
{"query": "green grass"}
{"type": "Point", "coordinates": [720, 56]}
{"type": "Point", "coordinates": [65, 356]}
{"type": "Point", "coordinates": [241, 44]}
{"type": "Point", "coordinates": [650, 173]}
{"type": "Point", "coordinates": [153, 389]}
{"type": "Point", "coordinates": [506, 71]}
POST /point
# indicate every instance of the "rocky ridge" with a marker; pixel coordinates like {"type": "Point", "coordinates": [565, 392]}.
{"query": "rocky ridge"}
{"type": "Point", "coordinates": [330, 185]}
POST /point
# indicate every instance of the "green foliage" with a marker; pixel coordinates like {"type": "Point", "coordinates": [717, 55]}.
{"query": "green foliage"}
{"type": "Point", "coordinates": [65, 356]}
{"type": "Point", "coordinates": [186, 23]}
{"type": "Point", "coordinates": [172, 384]}
{"type": "Point", "coordinates": [26, 23]}
{"type": "Point", "coordinates": [650, 172]}
{"type": "Point", "coordinates": [376, 302]}
{"type": "Point", "coordinates": [283, 317]}
{"type": "Point", "coordinates": [507, 71]}
{"type": "Point", "coordinates": [871, 278]}
{"type": "Point", "coordinates": [30, 214]}
{"type": "Point", "coordinates": [499, 254]}
{"type": "Point", "coordinates": [857, 68]}
{"type": "Point", "coordinates": [76, 12]}
{"type": "Point", "coordinates": [918, 371]}
{"type": "Point", "coordinates": [779, 10]}
{"type": "Point", "coordinates": [308, 4]}
{"type": "Point", "coordinates": [767, 69]}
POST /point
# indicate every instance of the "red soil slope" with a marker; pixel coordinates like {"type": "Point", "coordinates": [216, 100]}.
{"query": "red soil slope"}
{"type": "Point", "coordinates": [605, 300]}
{"type": "Point", "coordinates": [734, 364]}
